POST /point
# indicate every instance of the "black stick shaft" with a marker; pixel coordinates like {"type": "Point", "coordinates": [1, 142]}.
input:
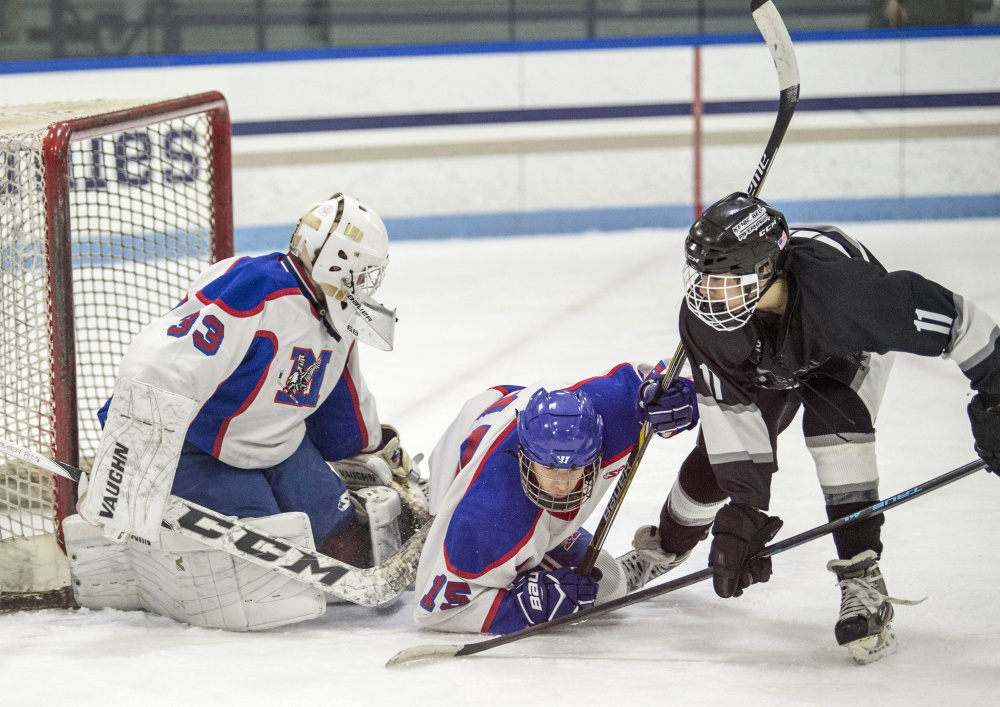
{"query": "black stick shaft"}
{"type": "Point", "coordinates": [694, 578]}
{"type": "Point", "coordinates": [586, 567]}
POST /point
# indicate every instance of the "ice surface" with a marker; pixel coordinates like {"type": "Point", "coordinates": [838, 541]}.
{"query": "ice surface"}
{"type": "Point", "coordinates": [478, 313]}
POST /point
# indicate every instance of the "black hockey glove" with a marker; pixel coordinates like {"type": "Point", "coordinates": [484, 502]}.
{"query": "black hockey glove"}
{"type": "Point", "coordinates": [986, 430]}
{"type": "Point", "coordinates": [740, 533]}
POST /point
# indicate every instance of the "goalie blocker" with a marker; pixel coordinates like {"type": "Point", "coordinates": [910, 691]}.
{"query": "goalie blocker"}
{"type": "Point", "coordinates": [136, 461]}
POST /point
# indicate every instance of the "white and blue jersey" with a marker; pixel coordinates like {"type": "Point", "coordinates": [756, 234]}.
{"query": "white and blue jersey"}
{"type": "Point", "coordinates": [250, 345]}
{"type": "Point", "coordinates": [486, 531]}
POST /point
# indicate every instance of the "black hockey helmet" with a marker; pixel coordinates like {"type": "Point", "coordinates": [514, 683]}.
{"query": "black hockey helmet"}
{"type": "Point", "coordinates": [739, 235]}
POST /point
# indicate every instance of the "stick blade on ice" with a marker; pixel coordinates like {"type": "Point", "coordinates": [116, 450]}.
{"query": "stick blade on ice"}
{"type": "Point", "coordinates": [414, 654]}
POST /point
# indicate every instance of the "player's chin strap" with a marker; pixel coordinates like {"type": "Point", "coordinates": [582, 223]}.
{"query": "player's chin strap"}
{"type": "Point", "coordinates": [435, 652]}
{"type": "Point", "coordinates": [374, 586]}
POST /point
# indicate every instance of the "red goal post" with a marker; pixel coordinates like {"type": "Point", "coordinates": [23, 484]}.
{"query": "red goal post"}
{"type": "Point", "coordinates": [108, 210]}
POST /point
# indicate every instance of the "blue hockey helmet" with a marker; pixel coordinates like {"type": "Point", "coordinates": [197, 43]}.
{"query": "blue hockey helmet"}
{"type": "Point", "coordinates": [562, 434]}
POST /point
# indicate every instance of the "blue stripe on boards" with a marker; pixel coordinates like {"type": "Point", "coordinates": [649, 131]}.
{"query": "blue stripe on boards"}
{"type": "Point", "coordinates": [928, 100]}
{"type": "Point", "coordinates": [257, 239]}
{"type": "Point", "coordinates": [648, 110]}
{"type": "Point", "coordinates": [254, 239]}
{"type": "Point", "coordinates": [544, 45]}
{"type": "Point", "coordinates": [423, 120]}
{"type": "Point", "coordinates": [915, 208]}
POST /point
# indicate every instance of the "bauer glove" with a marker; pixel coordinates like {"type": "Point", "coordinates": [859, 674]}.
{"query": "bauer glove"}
{"type": "Point", "coordinates": [673, 411]}
{"type": "Point", "coordinates": [740, 533]}
{"type": "Point", "coordinates": [543, 595]}
{"type": "Point", "coordinates": [986, 430]}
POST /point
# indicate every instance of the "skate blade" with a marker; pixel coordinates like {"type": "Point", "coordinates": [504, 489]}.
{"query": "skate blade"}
{"type": "Point", "coordinates": [872, 648]}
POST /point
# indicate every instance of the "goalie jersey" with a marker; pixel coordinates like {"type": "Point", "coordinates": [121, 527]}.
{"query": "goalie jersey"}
{"type": "Point", "coordinates": [252, 347]}
{"type": "Point", "coordinates": [486, 530]}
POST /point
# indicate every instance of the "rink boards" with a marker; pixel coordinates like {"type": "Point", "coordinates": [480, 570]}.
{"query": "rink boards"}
{"type": "Point", "coordinates": [570, 135]}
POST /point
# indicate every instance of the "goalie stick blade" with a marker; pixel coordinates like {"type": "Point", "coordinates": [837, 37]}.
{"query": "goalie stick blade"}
{"type": "Point", "coordinates": [413, 654]}
{"type": "Point", "coordinates": [42, 462]}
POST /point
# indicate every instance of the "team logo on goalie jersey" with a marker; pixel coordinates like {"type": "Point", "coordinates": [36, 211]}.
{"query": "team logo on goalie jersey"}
{"type": "Point", "coordinates": [302, 385]}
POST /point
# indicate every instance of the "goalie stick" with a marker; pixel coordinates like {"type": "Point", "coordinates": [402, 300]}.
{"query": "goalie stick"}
{"type": "Point", "coordinates": [373, 586]}
{"type": "Point", "coordinates": [440, 652]}
{"type": "Point", "coordinates": [779, 43]}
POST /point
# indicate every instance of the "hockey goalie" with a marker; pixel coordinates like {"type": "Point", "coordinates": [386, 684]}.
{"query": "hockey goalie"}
{"type": "Point", "coordinates": [247, 399]}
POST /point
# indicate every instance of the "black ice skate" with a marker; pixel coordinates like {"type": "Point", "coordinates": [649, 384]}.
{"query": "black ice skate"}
{"type": "Point", "coordinates": [865, 623]}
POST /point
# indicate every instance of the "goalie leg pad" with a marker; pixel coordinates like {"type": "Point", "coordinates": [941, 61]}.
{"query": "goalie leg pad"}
{"type": "Point", "coordinates": [103, 577]}
{"type": "Point", "coordinates": [213, 589]}
{"type": "Point", "coordinates": [381, 507]}
{"type": "Point", "coordinates": [364, 471]}
{"type": "Point", "coordinates": [187, 581]}
{"type": "Point", "coordinates": [377, 514]}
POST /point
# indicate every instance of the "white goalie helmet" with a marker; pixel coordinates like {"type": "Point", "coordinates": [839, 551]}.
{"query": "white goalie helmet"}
{"type": "Point", "coordinates": [345, 246]}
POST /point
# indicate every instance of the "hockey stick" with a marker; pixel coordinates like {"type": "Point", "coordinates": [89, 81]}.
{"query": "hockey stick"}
{"type": "Point", "coordinates": [368, 587]}
{"type": "Point", "coordinates": [779, 43]}
{"type": "Point", "coordinates": [772, 28]}
{"type": "Point", "coordinates": [586, 567]}
{"type": "Point", "coordinates": [433, 652]}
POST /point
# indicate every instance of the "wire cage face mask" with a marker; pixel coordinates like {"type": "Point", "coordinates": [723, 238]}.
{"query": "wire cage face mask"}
{"type": "Point", "coordinates": [545, 500]}
{"type": "Point", "coordinates": [724, 302]}
{"type": "Point", "coordinates": [366, 278]}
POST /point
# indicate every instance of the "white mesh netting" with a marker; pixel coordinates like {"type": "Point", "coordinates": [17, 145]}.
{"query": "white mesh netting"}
{"type": "Point", "coordinates": [141, 225]}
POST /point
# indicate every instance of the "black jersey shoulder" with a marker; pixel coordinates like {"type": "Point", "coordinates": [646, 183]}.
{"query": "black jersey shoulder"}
{"type": "Point", "coordinates": [822, 238]}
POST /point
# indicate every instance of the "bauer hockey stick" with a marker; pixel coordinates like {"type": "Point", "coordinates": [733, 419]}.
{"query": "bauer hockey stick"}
{"type": "Point", "coordinates": [434, 652]}
{"type": "Point", "coordinates": [368, 587]}
{"type": "Point", "coordinates": [772, 28]}
{"type": "Point", "coordinates": [586, 567]}
{"type": "Point", "coordinates": [779, 43]}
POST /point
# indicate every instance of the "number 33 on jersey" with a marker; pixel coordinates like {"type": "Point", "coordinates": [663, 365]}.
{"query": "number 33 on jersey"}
{"type": "Point", "coordinates": [249, 345]}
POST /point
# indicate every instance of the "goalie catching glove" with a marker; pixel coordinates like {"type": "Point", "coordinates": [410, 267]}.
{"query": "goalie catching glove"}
{"type": "Point", "coordinates": [390, 466]}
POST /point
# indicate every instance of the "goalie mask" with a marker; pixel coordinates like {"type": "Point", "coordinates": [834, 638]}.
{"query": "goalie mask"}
{"type": "Point", "coordinates": [345, 245]}
{"type": "Point", "coordinates": [731, 255]}
{"type": "Point", "coordinates": [560, 436]}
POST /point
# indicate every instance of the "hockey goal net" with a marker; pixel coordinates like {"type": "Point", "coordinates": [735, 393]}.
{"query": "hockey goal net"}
{"type": "Point", "coordinates": [108, 210]}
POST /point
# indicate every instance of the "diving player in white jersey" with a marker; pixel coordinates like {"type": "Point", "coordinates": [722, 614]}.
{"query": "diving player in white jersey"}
{"type": "Point", "coordinates": [513, 478]}
{"type": "Point", "coordinates": [261, 360]}
{"type": "Point", "coordinates": [776, 319]}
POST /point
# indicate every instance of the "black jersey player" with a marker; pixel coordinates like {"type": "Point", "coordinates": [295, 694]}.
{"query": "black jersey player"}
{"type": "Point", "coordinates": [777, 319]}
